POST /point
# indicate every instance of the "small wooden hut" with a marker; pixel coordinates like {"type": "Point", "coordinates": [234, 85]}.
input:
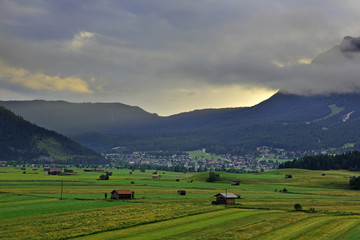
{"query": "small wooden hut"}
{"type": "Point", "coordinates": [235, 183]}
{"type": "Point", "coordinates": [181, 192]}
{"type": "Point", "coordinates": [226, 198]}
{"type": "Point", "coordinates": [122, 194]}
{"type": "Point", "coordinates": [54, 171]}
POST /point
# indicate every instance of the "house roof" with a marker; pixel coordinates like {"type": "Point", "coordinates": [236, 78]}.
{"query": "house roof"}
{"type": "Point", "coordinates": [122, 191]}
{"type": "Point", "coordinates": [227, 195]}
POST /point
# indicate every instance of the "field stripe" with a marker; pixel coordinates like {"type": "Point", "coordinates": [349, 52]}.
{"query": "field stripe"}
{"type": "Point", "coordinates": [334, 228]}
{"type": "Point", "coordinates": [317, 227]}
{"type": "Point", "coordinates": [171, 228]}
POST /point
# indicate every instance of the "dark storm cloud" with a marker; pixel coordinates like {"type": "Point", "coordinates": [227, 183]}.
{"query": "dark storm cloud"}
{"type": "Point", "coordinates": [135, 48]}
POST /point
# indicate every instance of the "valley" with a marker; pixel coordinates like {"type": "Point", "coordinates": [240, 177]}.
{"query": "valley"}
{"type": "Point", "coordinates": [264, 210]}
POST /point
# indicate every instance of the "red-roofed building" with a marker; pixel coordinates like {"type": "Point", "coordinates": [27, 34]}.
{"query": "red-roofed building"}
{"type": "Point", "coordinates": [122, 194]}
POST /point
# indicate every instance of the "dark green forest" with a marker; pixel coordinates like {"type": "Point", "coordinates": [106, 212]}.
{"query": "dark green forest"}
{"type": "Point", "coordinates": [349, 161]}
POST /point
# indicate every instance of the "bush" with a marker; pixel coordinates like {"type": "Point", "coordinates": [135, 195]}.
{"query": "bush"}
{"type": "Point", "coordinates": [298, 207]}
{"type": "Point", "coordinates": [312, 210]}
{"type": "Point", "coordinates": [212, 177]}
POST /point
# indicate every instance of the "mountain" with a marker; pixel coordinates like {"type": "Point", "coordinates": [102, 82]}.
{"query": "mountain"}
{"type": "Point", "coordinates": [21, 141]}
{"type": "Point", "coordinates": [346, 52]}
{"type": "Point", "coordinates": [77, 118]}
{"type": "Point", "coordinates": [286, 121]}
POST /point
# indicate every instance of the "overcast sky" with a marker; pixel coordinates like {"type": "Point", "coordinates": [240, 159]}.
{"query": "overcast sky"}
{"type": "Point", "coordinates": [173, 56]}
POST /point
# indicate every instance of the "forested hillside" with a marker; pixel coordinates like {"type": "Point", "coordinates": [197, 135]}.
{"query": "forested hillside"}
{"type": "Point", "coordinates": [21, 141]}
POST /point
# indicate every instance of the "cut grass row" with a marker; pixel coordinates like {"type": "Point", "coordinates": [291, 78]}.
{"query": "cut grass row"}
{"type": "Point", "coordinates": [242, 224]}
{"type": "Point", "coordinates": [77, 223]}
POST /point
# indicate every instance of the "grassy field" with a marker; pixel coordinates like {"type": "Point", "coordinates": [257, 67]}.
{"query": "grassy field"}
{"type": "Point", "coordinates": [30, 206]}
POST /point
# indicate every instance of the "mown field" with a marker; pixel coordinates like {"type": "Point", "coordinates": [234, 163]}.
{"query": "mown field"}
{"type": "Point", "coordinates": [30, 206]}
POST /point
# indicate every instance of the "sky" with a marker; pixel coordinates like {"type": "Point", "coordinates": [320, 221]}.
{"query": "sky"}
{"type": "Point", "coordinates": [175, 56]}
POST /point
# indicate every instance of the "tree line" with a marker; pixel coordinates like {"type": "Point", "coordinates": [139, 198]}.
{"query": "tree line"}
{"type": "Point", "coordinates": [349, 161]}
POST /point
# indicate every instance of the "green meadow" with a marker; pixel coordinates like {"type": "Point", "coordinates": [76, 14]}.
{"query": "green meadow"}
{"type": "Point", "coordinates": [31, 208]}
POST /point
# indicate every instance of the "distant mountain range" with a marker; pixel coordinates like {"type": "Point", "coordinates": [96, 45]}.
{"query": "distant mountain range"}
{"type": "Point", "coordinates": [284, 121]}
{"type": "Point", "coordinates": [21, 141]}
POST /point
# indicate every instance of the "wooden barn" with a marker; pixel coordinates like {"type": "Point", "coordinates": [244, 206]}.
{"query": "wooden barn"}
{"type": "Point", "coordinates": [122, 194]}
{"type": "Point", "coordinates": [181, 192]}
{"type": "Point", "coordinates": [235, 183]}
{"type": "Point", "coordinates": [226, 198]}
{"type": "Point", "coordinates": [54, 171]}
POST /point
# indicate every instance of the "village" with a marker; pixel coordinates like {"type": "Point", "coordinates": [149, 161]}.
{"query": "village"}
{"type": "Point", "coordinates": [265, 158]}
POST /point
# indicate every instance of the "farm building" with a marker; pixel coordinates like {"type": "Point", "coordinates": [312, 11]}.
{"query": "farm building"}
{"type": "Point", "coordinates": [54, 171]}
{"type": "Point", "coordinates": [156, 176]}
{"type": "Point", "coordinates": [288, 176]}
{"type": "Point", "coordinates": [122, 194]}
{"type": "Point", "coordinates": [226, 198]}
{"type": "Point", "coordinates": [181, 192]}
{"type": "Point", "coordinates": [104, 177]}
{"type": "Point", "coordinates": [235, 183]}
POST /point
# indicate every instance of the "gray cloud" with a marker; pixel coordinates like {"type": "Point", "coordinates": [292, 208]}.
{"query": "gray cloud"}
{"type": "Point", "coordinates": [131, 50]}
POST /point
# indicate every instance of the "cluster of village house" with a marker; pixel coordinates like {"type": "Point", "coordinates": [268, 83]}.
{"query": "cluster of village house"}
{"type": "Point", "coordinates": [225, 161]}
{"type": "Point", "coordinates": [264, 158]}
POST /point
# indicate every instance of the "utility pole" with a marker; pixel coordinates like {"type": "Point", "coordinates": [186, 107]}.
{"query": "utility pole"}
{"type": "Point", "coordinates": [226, 197]}
{"type": "Point", "coordinates": [62, 184]}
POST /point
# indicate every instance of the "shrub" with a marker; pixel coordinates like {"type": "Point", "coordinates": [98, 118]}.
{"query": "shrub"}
{"type": "Point", "coordinates": [298, 207]}
{"type": "Point", "coordinates": [212, 177]}
{"type": "Point", "coordinates": [312, 210]}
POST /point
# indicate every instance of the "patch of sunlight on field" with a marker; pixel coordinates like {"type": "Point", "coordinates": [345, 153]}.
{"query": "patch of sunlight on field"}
{"type": "Point", "coordinates": [175, 227]}
{"type": "Point", "coordinates": [78, 223]}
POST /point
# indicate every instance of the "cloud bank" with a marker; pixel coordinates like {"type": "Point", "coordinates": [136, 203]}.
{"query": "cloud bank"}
{"type": "Point", "coordinates": [168, 56]}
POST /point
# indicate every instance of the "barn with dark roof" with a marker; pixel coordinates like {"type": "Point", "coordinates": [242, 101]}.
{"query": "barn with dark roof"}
{"type": "Point", "coordinates": [226, 198]}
